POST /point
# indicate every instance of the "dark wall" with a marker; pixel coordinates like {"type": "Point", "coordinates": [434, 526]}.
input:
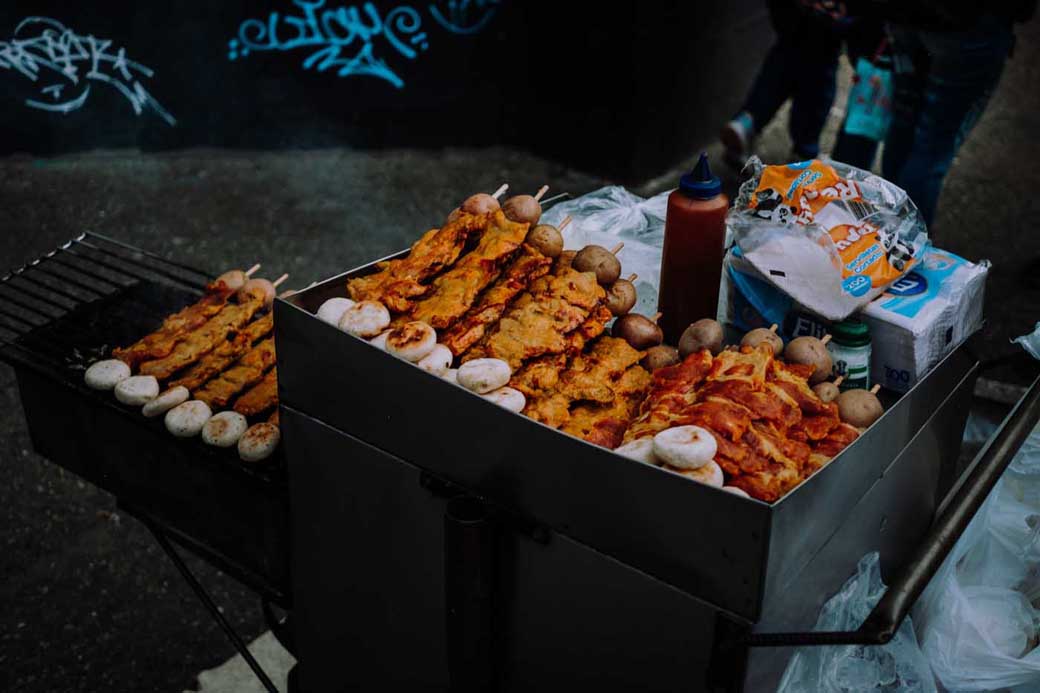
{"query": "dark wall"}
{"type": "Point", "coordinates": [621, 89]}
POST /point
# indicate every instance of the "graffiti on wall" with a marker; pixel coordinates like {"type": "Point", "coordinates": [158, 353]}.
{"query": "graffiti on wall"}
{"type": "Point", "coordinates": [349, 40]}
{"type": "Point", "coordinates": [65, 66]}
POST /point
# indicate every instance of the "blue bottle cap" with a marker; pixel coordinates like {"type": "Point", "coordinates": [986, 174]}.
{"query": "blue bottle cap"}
{"type": "Point", "coordinates": [701, 183]}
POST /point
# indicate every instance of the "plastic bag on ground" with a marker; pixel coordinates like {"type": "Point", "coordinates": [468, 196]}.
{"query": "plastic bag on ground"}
{"type": "Point", "coordinates": [613, 215]}
{"type": "Point", "coordinates": [897, 666]}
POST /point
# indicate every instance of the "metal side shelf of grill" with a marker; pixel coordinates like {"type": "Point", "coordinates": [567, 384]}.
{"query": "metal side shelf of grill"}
{"type": "Point", "coordinates": [70, 307]}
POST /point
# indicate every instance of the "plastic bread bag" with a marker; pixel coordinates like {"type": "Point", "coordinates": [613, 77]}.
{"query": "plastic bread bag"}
{"type": "Point", "coordinates": [829, 235]}
{"type": "Point", "coordinates": [897, 666]}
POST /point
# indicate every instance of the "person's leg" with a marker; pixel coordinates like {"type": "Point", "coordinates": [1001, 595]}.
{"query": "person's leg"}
{"type": "Point", "coordinates": [772, 85]}
{"type": "Point", "coordinates": [817, 65]}
{"type": "Point", "coordinates": [962, 72]}
{"type": "Point", "coordinates": [909, 69]}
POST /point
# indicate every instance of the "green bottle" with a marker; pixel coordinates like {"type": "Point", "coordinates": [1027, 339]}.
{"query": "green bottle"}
{"type": "Point", "coordinates": [850, 351]}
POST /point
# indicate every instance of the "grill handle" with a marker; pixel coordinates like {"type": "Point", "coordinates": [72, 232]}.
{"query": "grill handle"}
{"type": "Point", "coordinates": [964, 501]}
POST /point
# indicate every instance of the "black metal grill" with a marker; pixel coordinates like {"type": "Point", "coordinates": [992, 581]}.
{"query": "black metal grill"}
{"type": "Point", "coordinates": [69, 308]}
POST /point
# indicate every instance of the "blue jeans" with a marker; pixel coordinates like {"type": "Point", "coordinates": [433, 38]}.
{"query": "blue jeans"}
{"type": "Point", "coordinates": [943, 81]}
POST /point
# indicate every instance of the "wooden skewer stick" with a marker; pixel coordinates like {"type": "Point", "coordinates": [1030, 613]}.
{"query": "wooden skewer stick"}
{"type": "Point", "coordinates": [617, 249]}
{"type": "Point", "coordinates": [563, 224]}
{"type": "Point", "coordinates": [541, 193]}
{"type": "Point", "coordinates": [874, 390]}
{"type": "Point", "coordinates": [501, 191]}
{"type": "Point", "coordinates": [279, 280]}
{"type": "Point", "coordinates": [632, 278]}
{"type": "Point", "coordinates": [773, 328]}
{"type": "Point", "coordinates": [839, 380]}
{"type": "Point", "coordinates": [252, 270]}
{"type": "Point", "coordinates": [657, 316]}
{"type": "Point", "coordinates": [826, 338]}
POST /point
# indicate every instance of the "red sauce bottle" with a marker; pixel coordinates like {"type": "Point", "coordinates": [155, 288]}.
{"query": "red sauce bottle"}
{"type": "Point", "coordinates": [694, 240]}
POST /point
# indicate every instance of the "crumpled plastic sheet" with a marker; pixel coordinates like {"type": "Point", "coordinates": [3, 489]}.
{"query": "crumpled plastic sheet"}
{"type": "Point", "coordinates": [1030, 342]}
{"type": "Point", "coordinates": [613, 215]}
{"type": "Point", "coordinates": [897, 666]}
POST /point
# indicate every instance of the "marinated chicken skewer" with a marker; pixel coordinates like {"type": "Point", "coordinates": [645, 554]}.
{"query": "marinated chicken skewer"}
{"type": "Point", "coordinates": [454, 292]}
{"type": "Point", "coordinates": [246, 372]}
{"type": "Point", "coordinates": [539, 321]}
{"type": "Point", "coordinates": [160, 343]}
{"type": "Point", "coordinates": [400, 281]}
{"type": "Point", "coordinates": [225, 354]}
{"type": "Point", "coordinates": [203, 340]}
{"type": "Point", "coordinates": [260, 397]}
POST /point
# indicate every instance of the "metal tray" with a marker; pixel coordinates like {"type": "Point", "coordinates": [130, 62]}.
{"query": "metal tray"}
{"type": "Point", "coordinates": [736, 554]}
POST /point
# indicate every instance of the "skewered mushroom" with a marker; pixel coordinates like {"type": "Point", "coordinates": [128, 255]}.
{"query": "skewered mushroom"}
{"type": "Point", "coordinates": [660, 356]}
{"type": "Point", "coordinates": [685, 447]}
{"type": "Point", "coordinates": [640, 450]}
{"type": "Point", "coordinates": [703, 334]}
{"type": "Point", "coordinates": [622, 296]}
{"type": "Point", "coordinates": [484, 375]}
{"type": "Point", "coordinates": [365, 319]}
{"type": "Point", "coordinates": [811, 352]}
{"type": "Point", "coordinates": [333, 309]}
{"type": "Point", "coordinates": [166, 401]}
{"type": "Point", "coordinates": [105, 375]}
{"type": "Point", "coordinates": [860, 408]}
{"type": "Point", "coordinates": [411, 341]}
{"type": "Point", "coordinates": [828, 391]}
{"type": "Point", "coordinates": [137, 390]}
{"type": "Point", "coordinates": [599, 260]}
{"type": "Point", "coordinates": [761, 335]}
{"type": "Point", "coordinates": [639, 331]}
{"type": "Point", "coordinates": [525, 208]}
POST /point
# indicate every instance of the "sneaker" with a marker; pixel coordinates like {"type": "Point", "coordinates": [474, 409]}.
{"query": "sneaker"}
{"type": "Point", "coordinates": [736, 138]}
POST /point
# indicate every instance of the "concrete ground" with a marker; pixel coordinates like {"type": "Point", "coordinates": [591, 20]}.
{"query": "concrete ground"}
{"type": "Point", "coordinates": [87, 601]}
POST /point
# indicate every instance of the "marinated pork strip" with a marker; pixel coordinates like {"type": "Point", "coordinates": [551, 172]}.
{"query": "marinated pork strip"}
{"type": "Point", "coordinates": [526, 267]}
{"type": "Point", "coordinates": [539, 321]}
{"type": "Point", "coordinates": [454, 292]}
{"type": "Point", "coordinates": [225, 354]}
{"type": "Point", "coordinates": [205, 339]}
{"type": "Point", "coordinates": [160, 343]}
{"type": "Point", "coordinates": [260, 397]}
{"type": "Point", "coordinates": [400, 281]}
{"type": "Point", "coordinates": [246, 372]}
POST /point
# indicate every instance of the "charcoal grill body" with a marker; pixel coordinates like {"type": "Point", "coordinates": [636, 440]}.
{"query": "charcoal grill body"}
{"type": "Point", "coordinates": [66, 310]}
{"type": "Point", "coordinates": [609, 572]}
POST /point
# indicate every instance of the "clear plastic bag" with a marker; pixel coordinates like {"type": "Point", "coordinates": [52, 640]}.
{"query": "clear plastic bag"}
{"type": "Point", "coordinates": [612, 215]}
{"type": "Point", "coordinates": [897, 666]}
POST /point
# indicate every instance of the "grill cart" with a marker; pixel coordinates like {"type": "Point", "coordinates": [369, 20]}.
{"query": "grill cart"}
{"type": "Point", "coordinates": [423, 538]}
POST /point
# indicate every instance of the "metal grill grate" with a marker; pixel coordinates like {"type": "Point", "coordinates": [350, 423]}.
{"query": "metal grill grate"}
{"type": "Point", "coordinates": [87, 268]}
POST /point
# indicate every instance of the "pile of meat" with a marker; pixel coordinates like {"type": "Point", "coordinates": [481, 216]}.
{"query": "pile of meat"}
{"type": "Point", "coordinates": [772, 431]}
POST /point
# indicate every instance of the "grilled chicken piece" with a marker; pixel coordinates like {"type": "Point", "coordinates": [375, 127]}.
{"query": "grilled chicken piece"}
{"type": "Point", "coordinates": [260, 397]}
{"type": "Point", "coordinates": [160, 343]}
{"type": "Point", "coordinates": [454, 292]}
{"type": "Point", "coordinates": [224, 355]}
{"type": "Point", "coordinates": [401, 281]}
{"type": "Point", "coordinates": [206, 338]}
{"type": "Point", "coordinates": [246, 372]}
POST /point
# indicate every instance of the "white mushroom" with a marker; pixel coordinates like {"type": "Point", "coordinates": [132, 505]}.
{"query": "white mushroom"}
{"type": "Point", "coordinates": [508, 398]}
{"type": "Point", "coordinates": [365, 319]}
{"type": "Point", "coordinates": [640, 450]}
{"type": "Point", "coordinates": [333, 309]}
{"type": "Point", "coordinates": [259, 442]}
{"type": "Point", "coordinates": [137, 390]}
{"type": "Point", "coordinates": [685, 447]}
{"type": "Point", "coordinates": [186, 420]}
{"type": "Point", "coordinates": [710, 474]}
{"type": "Point", "coordinates": [224, 429]}
{"type": "Point", "coordinates": [166, 401]}
{"type": "Point", "coordinates": [484, 375]}
{"type": "Point", "coordinates": [452, 376]}
{"type": "Point", "coordinates": [736, 491]}
{"type": "Point", "coordinates": [411, 341]}
{"type": "Point", "coordinates": [438, 361]}
{"type": "Point", "coordinates": [105, 375]}
{"type": "Point", "coordinates": [379, 341]}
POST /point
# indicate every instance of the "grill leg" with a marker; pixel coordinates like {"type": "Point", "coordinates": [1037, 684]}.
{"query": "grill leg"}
{"type": "Point", "coordinates": [211, 606]}
{"type": "Point", "coordinates": [728, 657]}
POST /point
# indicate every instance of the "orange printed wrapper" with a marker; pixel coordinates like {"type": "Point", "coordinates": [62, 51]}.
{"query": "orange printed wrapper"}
{"type": "Point", "coordinates": [813, 192]}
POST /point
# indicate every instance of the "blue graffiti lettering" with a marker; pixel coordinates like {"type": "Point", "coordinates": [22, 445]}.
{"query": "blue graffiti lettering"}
{"type": "Point", "coordinates": [340, 38]}
{"type": "Point", "coordinates": [41, 45]}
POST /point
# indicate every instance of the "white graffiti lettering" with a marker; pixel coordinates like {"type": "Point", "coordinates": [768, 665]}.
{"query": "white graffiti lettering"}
{"type": "Point", "coordinates": [43, 48]}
